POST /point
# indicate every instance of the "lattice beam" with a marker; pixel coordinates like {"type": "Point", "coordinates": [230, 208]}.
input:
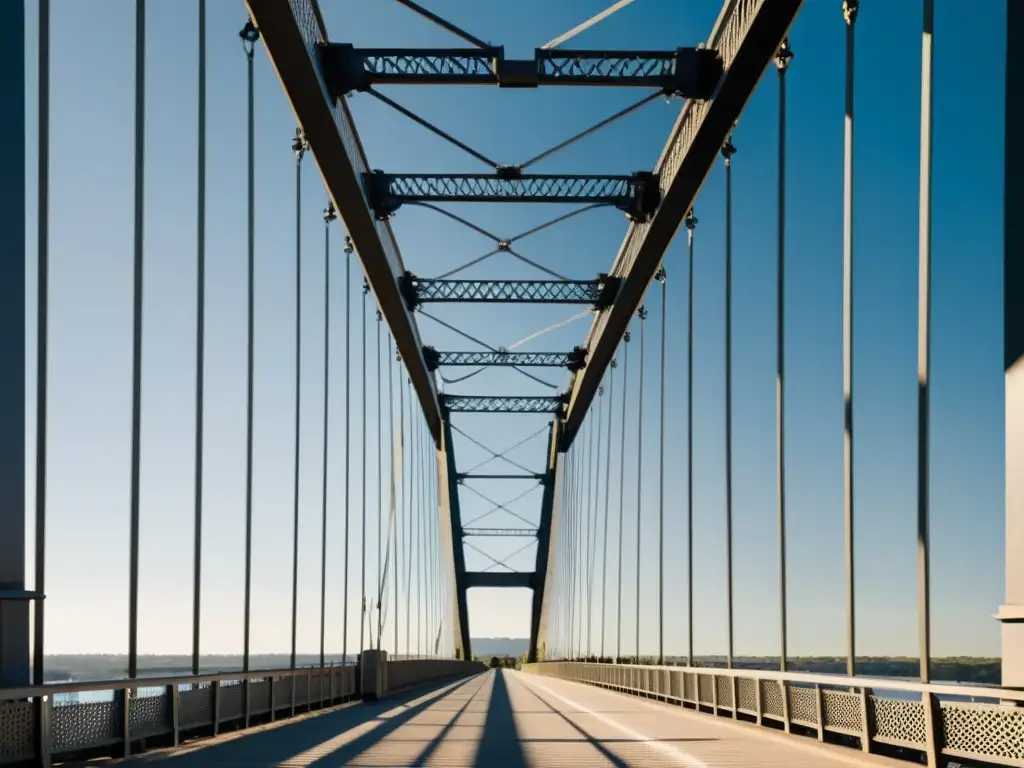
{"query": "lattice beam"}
{"type": "Point", "coordinates": [517, 532]}
{"type": "Point", "coordinates": [636, 194]}
{"type": "Point", "coordinates": [501, 404]}
{"type": "Point", "coordinates": [747, 35]}
{"type": "Point", "coordinates": [573, 360]}
{"type": "Point", "coordinates": [600, 292]}
{"type": "Point", "coordinates": [687, 72]}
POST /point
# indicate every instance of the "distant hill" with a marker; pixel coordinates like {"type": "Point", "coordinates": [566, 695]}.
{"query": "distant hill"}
{"type": "Point", "coordinates": [499, 646]}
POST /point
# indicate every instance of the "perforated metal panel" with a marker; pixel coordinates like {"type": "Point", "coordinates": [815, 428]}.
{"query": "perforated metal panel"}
{"type": "Point", "coordinates": [842, 712]}
{"type": "Point", "coordinates": [723, 686]}
{"type": "Point", "coordinates": [80, 726]}
{"type": "Point", "coordinates": [195, 707]}
{"type": "Point", "coordinates": [232, 699]}
{"type": "Point", "coordinates": [149, 715]}
{"type": "Point", "coordinates": [803, 706]}
{"type": "Point", "coordinates": [17, 726]}
{"type": "Point", "coordinates": [259, 697]}
{"type": "Point", "coordinates": [983, 731]}
{"type": "Point", "coordinates": [746, 689]}
{"type": "Point", "coordinates": [771, 699]}
{"type": "Point", "coordinates": [900, 723]}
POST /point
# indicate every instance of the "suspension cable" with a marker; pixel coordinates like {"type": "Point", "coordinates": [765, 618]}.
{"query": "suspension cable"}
{"type": "Point", "coordinates": [592, 129]}
{"type": "Point", "coordinates": [415, 7]}
{"type": "Point", "coordinates": [397, 475]}
{"type": "Point", "coordinates": [249, 35]}
{"type": "Point", "coordinates": [137, 330]}
{"type": "Point", "coordinates": [595, 468]}
{"type": "Point", "coordinates": [585, 528]}
{"type": "Point", "coordinates": [363, 615]}
{"type": "Point", "coordinates": [380, 483]}
{"type": "Point", "coordinates": [691, 224]}
{"type": "Point", "coordinates": [782, 60]}
{"type": "Point", "coordinates": [329, 215]}
{"type": "Point", "coordinates": [622, 491]}
{"type": "Point", "coordinates": [432, 128]}
{"type": "Point", "coordinates": [642, 314]}
{"type": "Point", "coordinates": [410, 519]}
{"type": "Point", "coordinates": [584, 26]}
{"type": "Point", "coordinates": [500, 455]}
{"type": "Point", "coordinates": [850, 8]}
{"type": "Point", "coordinates": [403, 516]}
{"type": "Point", "coordinates": [299, 149]}
{"type": "Point", "coordinates": [348, 432]}
{"type": "Point", "coordinates": [661, 277]}
{"type": "Point", "coordinates": [44, 11]}
{"type": "Point", "coordinates": [728, 150]}
{"type": "Point", "coordinates": [607, 488]}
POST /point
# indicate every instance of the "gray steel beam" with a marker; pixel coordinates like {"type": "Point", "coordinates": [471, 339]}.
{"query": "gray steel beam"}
{"type": "Point", "coordinates": [505, 358]}
{"type": "Point", "coordinates": [502, 404]}
{"type": "Point", "coordinates": [506, 532]}
{"type": "Point", "coordinates": [501, 580]}
{"type": "Point", "coordinates": [476, 476]}
{"type": "Point", "coordinates": [14, 603]}
{"type": "Point", "coordinates": [292, 32]}
{"type": "Point", "coordinates": [687, 72]}
{"type": "Point", "coordinates": [1011, 613]}
{"type": "Point", "coordinates": [747, 35]}
{"type": "Point", "coordinates": [636, 194]}
{"type": "Point", "coordinates": [455, 536]}
{"type": "Point", "coordinates": [600, 292]}
{"type": "Point", "coordinates": [545, 554]}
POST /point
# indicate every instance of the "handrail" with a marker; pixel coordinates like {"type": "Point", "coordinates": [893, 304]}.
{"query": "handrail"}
{"type": "Point", "coordinates": [831, 681]}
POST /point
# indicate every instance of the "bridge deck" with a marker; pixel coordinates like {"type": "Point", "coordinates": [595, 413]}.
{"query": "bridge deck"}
{"type": "Point", "coordinates": [507, 719]}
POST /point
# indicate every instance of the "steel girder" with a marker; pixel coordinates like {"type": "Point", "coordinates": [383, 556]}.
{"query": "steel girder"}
{"type": "Point", "coordinates": [291, 33]}
{"type": "Point", "coordinates": [572, 360]}
{"type": "Point", "coordinates": [520, 532]}
{"type": "Point", "coordinates": [502, 404]}
{"type": "Point", "coordinates": [747, 36]}
{"type": "Point", "coordinates": [636, 194]}
{"type": "Point", "coordinates": [688, 72]}
{"type": "Point", "coordinates": [484, 476]}
{"type": "Point", "coordinates": [500, 579]}
{"type": "Point", "coordinates": [600, 292]}
{"type": "Point", "coordinates": [543, 572]}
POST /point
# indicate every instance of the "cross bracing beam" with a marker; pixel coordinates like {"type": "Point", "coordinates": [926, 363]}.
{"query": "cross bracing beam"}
{"type": "Point", "coordinates": [572, 360]}
{"type": "Point", "coordinates": [521, 532]}
{"type": "Point", "coordinates": [687, 72]}
{"type": "Point", "coordinates": [636, 194]}
{"type": "Point", "coordinates": [509, 579]}
{"type": "Point", "coordinates": [482, 476]}
{"type": "Point", "coordinates": [292, 33]}
{"type": "Point", "coordinates": [502, 404]}
{"type": "Point", "coordinates": [600, 292]}
{"type": "Point", "coordinates": [747, 36]}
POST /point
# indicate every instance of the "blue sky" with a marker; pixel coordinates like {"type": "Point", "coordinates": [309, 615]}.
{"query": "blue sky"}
{"type": "Point", "coordinates": [91, 189]}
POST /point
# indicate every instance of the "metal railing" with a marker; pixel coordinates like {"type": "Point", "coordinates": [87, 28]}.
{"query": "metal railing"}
{"type": "Point", "coordinates": [859, 712]}
{"type": "Point", "coordinates": [39, 724]}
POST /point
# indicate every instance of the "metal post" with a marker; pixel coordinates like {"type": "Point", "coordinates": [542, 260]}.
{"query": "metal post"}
{"type": "Point", "coordinates": [197, 557]}
{"type": "Point", "coordinates": [782, 60]}
{"type": "Point", "coordinates": [924, 321]}
{"type": "Point", "coordinates": [299, 148]}
{"type": "Point", "coordinates": [249, 36]}
{"type": "Point", "coordinates": [642, 314]}
{"type": "Point", "coordinates": [691, 223]}
{"type": "Point", "coordinates": [14, 614]}
{"type": "Point", "coordinates": [136, 450]}
{"type": "Point", "coordinates": [1011, 614]}
{"type": "Point", "coordinates": [850, 16]}
{"type": "Point", "coordinates": [329, 215]}
{"type": "Point", "coordinates": [728, 150]}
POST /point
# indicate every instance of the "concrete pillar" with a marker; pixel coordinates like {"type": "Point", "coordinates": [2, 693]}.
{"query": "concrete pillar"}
{"type": "Point", "coordinates": [14, 609]}
{"type": "Point", "coordinates": [1011, 614]}
{"type": "Point", "coordinates": [373, 667]}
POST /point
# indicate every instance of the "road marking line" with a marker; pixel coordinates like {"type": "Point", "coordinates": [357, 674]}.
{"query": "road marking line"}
{"type": "Point", "coordinates": [673, 752]}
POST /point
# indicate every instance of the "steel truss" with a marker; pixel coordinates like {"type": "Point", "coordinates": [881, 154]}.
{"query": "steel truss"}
{"type": "Point", "coordinates": [638, 194]}
{"type": "Point", "coordinates": [691, 73]}
{"type": "Point", "coordinates": [502, 404]}
{"type": "Point", "coordinates": [600, 292]}
{"type": "Point", "coordinates": [520, 532]}
{"type": "Point", "coordinates": [572, 360]}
